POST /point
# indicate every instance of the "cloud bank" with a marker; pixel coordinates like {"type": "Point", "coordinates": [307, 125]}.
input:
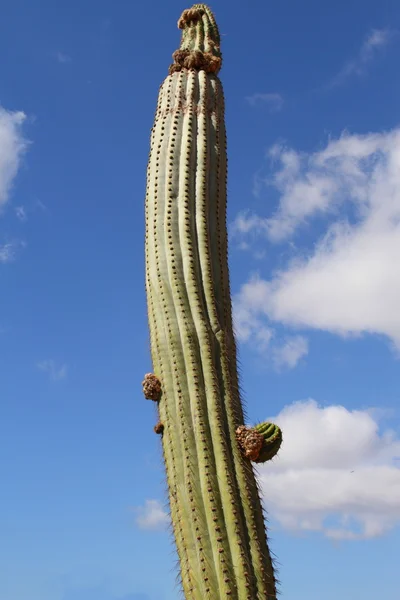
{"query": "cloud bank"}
{"type": "Point", "coordinates": [349, 283]}
{"type": "Point", "coordinates": [336, 473]}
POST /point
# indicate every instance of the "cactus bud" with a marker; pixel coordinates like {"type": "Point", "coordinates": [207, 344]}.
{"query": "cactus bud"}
{"type": "Point", "coordinates": [151, 387]}
{"type": "Point", "coordinates": [259, 443]}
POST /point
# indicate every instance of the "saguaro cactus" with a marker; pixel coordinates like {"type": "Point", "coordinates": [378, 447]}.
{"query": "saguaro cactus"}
{"type": "Point", "coordinates": [215, 506]}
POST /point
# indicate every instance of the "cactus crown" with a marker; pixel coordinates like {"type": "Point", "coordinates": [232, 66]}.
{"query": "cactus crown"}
{"type": "Point", "coordinates": [200, 43]}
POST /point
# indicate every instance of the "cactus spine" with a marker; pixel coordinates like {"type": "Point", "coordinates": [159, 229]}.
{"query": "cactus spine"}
{"type": "Point", "coordinates": [215, 506]}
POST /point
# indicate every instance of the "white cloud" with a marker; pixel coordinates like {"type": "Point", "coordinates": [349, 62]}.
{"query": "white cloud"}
{"type": "Point", "coordinates": [376, 40]}
{"type": "Point", "coordinates": [248, 223]}
{"type": "Point", "coordinates": [256, 332]}
{"type": "Point", "coordinates": [55, 372]}
{"type": "Point", "coordinates": [248, 326]}
{"type": "Point", "coordinates": [8, 251]}
{"type": "Point", "coordinates": [12, 147]}
{"type": "Point", "coordinates": [274, 101]}
{"type": "Point", "coordinates": [63, 58]}
{"type": "Point", "coordinates": [254, 329]}
{"type": "Point", "coordinates": [349, 283]}
{"type": "Point", "coordinates": [335, 473]}
{"type": "Point", "coordinates": [290, 352]}
{"type": "Point", "coordinates": [20, 213]}
{"type": "Point", "coordinates": [151, 515]}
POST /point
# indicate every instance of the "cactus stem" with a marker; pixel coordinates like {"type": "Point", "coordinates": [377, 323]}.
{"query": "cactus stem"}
{"type": "Point", "coordinates": [215, 506]}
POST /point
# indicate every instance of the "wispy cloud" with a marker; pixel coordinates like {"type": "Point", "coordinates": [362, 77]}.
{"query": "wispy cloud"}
{"type": "Point", "coordinates": [374, 42]}
{"type": "Point", "coordinates": [63, 58]}
{"type": "Point", "coordinates": [273, 101]}
{"type": "Point", "coordinates": [290, 352]}
{"type": "Point", "coordinates": [151, 516]}
{"type": "Point", "coordinates": [247, 227]}
{"type": "Point", "coordinates": [9, 251]}
{"type": "Point", "coordinates": [40, 205]}
{"type": "Point", "coordinates": [20, 213]}
{"type": "Point", "coordinates": [54, 371]}
{"type": "Point", "coordinates": [321, 478]}
{"type": "Point", "coordinates": [249, 326]}
{"type": "Point", "coordinates": [256, 331]}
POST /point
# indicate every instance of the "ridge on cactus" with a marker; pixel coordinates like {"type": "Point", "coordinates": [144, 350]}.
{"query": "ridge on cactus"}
{"type": "Point", "coordinates": [216, 511]}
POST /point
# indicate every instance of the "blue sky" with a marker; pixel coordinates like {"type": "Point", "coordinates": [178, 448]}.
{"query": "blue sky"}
{"type": "Point", "coordinates": [312, 92]}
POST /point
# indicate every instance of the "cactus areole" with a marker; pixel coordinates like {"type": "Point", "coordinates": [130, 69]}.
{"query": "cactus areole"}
{"type": "Point", "coordinates": [215, 507]}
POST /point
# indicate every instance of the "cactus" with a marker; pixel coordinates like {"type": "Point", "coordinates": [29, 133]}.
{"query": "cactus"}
{"type": "Point", "coordinates": [214, 501]}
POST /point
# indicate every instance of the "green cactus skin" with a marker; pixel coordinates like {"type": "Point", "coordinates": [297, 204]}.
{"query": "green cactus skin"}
{"type": "Point", "coordinates": [214, 501]}
{"type": "Point", "coordinates": [272, 435]}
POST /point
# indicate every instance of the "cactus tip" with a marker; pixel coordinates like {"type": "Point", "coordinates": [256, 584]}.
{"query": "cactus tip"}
{"type": "Point", "coordinates": [200, 44]}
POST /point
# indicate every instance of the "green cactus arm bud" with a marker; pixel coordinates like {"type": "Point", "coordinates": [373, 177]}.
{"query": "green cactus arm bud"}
{"type": "Point", "coordinates": [272, 441]}
{"type": "Point", "coordinates": [215, 506]}
{"type": "Point", "coordinates": [259, 443]}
